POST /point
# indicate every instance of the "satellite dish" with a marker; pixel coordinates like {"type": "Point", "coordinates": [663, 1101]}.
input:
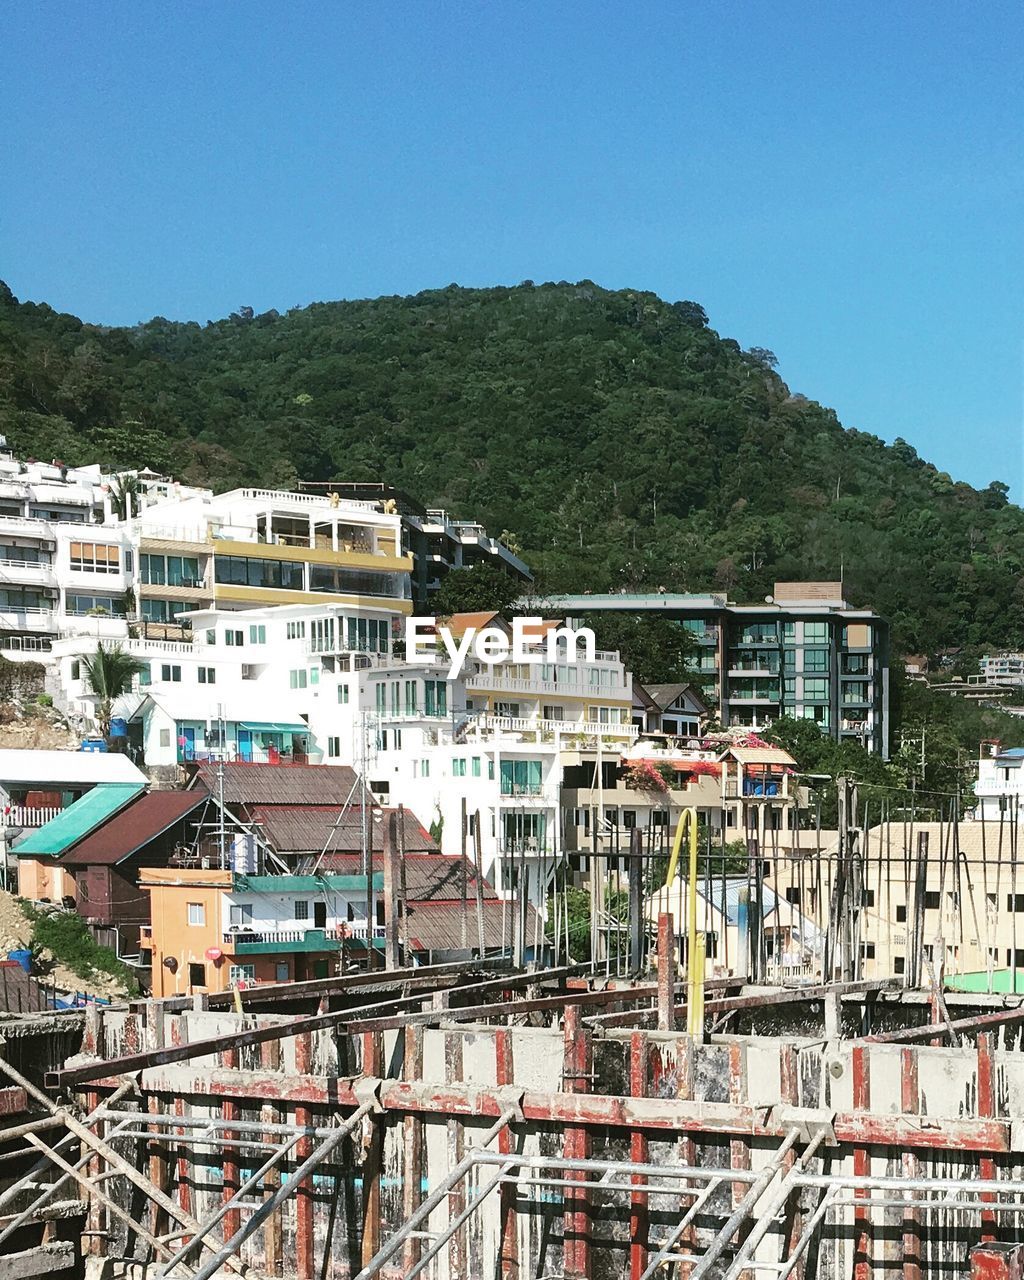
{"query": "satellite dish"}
{"type": "Point", "coordinates": [769, 599]}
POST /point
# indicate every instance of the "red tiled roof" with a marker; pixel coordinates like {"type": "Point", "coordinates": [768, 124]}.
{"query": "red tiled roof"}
{"type": "Point", "coordinates": [337, 829]}
{"type": "Point", "coordinates": [132, 827]}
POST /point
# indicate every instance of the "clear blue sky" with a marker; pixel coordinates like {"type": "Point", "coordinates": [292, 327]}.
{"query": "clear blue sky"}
{"type": "Point", "coordinates": [840, 183]}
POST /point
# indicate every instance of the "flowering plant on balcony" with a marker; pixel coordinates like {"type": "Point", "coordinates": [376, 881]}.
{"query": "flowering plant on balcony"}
{"type": "Point", "coordinates": [645, 775]}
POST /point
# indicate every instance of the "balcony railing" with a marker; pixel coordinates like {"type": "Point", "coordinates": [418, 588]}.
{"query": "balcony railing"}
{"type": "Point", "coordinates": [566, 728]}
{"type": "Point", "coordinates": [330, 934]}
{"type": "Point", "coordinates": [509, 789]}
{"type": "Point", "coordinates": [21, 815]}
{"type": "Point", "coordinates": [232, 754]}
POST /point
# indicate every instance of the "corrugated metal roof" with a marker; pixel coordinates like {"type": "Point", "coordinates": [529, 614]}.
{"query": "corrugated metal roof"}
{"type": "Point", "coordinates": [136, 825]}
{"type": "Point", "coordinates": [275, 784]}
{"type": "Point", "coordinates": [77, 820]}
{"type": "Point", "coordinates": [760, 755]}
{"type": "Point", "coordinates": [25, 767]}
{"type": "Point", "coordinates": [437, 926]}
{"type": "Point", "coordinates": [429, 877]}
{"type": "Point", "coordinates": [337, 829]}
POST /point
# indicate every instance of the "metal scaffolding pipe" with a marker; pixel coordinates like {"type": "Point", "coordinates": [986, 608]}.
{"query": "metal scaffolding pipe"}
{"type": "Point", "coordinates": [743, 1210]}
{"type": "Point", "coordinates": [229, 1249]}
{"type": "Point", "coordinates": [422, 1214]}
{"type": "Point", "coordinates": [664, 1253]}
{"type": "Point", "coordinates": [224, 1209]}
{"type": "Point", "coordinates": [213, 1125]}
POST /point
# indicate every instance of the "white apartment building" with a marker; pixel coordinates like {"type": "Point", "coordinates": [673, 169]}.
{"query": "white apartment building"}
{"type": "Point", "coordinates": [1003, 668]}
{"type": "Point", "coordinates": [322, 683]}
{"type": "Point", "coordinates": [1000, 785]}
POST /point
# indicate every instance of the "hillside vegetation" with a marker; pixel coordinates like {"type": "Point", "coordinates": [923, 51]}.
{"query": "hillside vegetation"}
{"type": "Point", "coordinates": [619, 438]}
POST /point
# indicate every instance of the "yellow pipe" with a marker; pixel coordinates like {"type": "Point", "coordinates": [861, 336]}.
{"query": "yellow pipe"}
{"type": "Point", "coordinates": [695, 942]}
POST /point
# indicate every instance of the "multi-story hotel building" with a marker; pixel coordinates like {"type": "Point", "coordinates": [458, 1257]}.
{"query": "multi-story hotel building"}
{"type": "Point", "coordinates": [805, 652]}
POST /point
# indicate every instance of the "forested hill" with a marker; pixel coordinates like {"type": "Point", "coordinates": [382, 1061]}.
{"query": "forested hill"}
{"type": "Point", "coordinates": [622, 441]}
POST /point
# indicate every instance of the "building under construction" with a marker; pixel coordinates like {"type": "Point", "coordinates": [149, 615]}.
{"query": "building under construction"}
{"type": "Point", "coordinates": [480, 1119]}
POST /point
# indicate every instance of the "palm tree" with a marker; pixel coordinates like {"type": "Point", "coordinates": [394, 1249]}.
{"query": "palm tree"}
{"type": "Point", "coordinates": [110, 673]}
{"type": "Point", "coordinates": [124, 495]}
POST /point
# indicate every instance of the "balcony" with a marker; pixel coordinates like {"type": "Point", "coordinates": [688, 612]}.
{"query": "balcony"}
{"type": "Point", "coordinates": [540, 730]}
{"type": "Point", "coordinates": [742, 669]}
{"type": "Point", "coordinates": [252, 942]}
{"type": "Point", "coordinates": [21, 815]}
{"type": "Point", "coordinates": [27, 618]}
{"type": "Point", "coordinates": [755, 789]}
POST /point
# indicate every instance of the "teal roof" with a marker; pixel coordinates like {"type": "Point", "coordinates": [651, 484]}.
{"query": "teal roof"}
{"type": "Point", "coordinates": [77, 820]}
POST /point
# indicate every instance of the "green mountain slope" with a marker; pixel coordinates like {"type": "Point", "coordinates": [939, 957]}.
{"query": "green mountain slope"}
{"type": "Point", "coordinates": [622, 441]}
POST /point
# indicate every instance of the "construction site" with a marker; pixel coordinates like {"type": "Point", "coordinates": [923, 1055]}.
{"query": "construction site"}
{"type": "Point", "coordinates": [660, 1111]}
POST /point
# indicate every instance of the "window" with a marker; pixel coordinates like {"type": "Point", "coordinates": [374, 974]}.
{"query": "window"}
{"type": "Point", "coordinates": [521, 777]}
{"type": "Point", "coordinates": [396, 735]}
{"type": "Point", "coordinates": [815, 690]}
{"type": "Point", "coordinates": [424, 768]}
{"type": "Point", "coordinates": [207, 675]}
{"type": "Point", "coordinates": [334, 746]}
{"type": "Point", "coordinates": [553, 712]}
{"type": "Point", "coordinates": [899, 965]}
{"type": "Point", "coordinates": [297, 679]}
{"type": "Point", "coordinates": [301, 909]}
{"type": "Point", "coordinates": [234, 637]}
{"type": "Point", "coordinates": [458, 768]}
{"type": "Point", "coordinates": [95, 557]}
{"type": "Point", "coordinates": [867, 898]}
{"type": "Point", "coordinates": [511, 709]}
{"type": "Point", "coordinates": [788, 632]}
{"type": "Point", "coordinates": [296, 630]}
{"type": "Point", "coordinates": [164, 610]}
{"type": "Point", "coordinates": [250, 671]}
{"type": "Point", "coordinates": [867, 950]}
{"type": "Point", "coordinates": [78, 604]}
{"type": "Point", "coordinates": [490, 770]}
{"type": "Point", "coordinates": [76, 669]}
{"type": "Point", "coordinates": [239, 973]}
{"type": "Point", "coordinates": [380, 695]}
{"type": "Point", "coordinates": [815, 633]}
{"type": "Point", "coordinates": [165, 737]}
{"type": "Point", "coordinates": [901, 914]}
{"type": "Point", "coordinates": [932, 900]}
{"type": "Point", "coordinates": [816, 660]}
{"type": "Point", "coordinates": [1014, 901]}
{"type": "Point", "coordinates": [343, 693]}
{"type": "Point", "coordinates": [314, 675]}
{"type": "Point", "coordinates": [196, 914]}
{"type": "Point", "coordinates": [145, 676]}
{"type": "Point", "coordinates": [396, 697]}
{"type": "Point", "coordinates": [281, 973]}
{"type": "Point", "coordinates": [436, 697]}
{"type": "Point", "coordinates": [170, 673]}
{"type": "Point", "coordinates": [258, 634]}
{"type": "Point", "coordinates": [793, 895]}
{"type": "Point", "coordinates": [476, 767]}
{"type": "Point", "coordinates": [240, 913]}
{"type": "Point", "coordinates": [197, 975]}
{"type": "Point", "coordinates": [1015, 958]}
{"type": "Point", "coordinates": [241, 571]}
{"type": "Point", "coordinates": [211, 637]}
{"type": "Point", "coordinates": [171, 571]}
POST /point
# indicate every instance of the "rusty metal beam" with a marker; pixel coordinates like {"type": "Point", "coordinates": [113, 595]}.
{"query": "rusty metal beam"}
{"type": "Point", "coordinates": [352, 1019]}
{"type": "Point", "coordinates": [457, 1099]}
{"type": "Point", "coordinates": [983, 1022]}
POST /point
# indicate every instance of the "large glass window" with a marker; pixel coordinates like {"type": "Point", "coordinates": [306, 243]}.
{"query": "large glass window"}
{"type": "Point", "coordinates": [436, 697]}
{"type": "Point", "coordinates": [520, 777]}
{"type": "Point", "coordinates": [95, 557]}
{"type": "Point", "coordinates": [170, 571]}
{"type": "Point", "coordinates": [245, 571]}
{"type": "Point", "coordinates": [163, 610]}
{"type": "Point", "coordinates": [815, 690]}
{"type": "Point", "coordinates": [815, 632]}
{"type": "Point", "coordinates": [79, 604]}
{"type": "Point", "coordinates": [361, 582]}
{"type": "Point", "coordinates": [816, 660]}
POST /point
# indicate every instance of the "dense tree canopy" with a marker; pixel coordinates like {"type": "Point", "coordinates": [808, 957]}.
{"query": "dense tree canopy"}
{"type": "Point", "coordinates": [619, 438]}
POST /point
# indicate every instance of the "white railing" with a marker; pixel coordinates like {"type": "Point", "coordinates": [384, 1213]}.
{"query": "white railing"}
{"type": "Point", "coordinates": [578, 688]}
{"type": "Point", "coordinates": [250, 933]}
{"type": "Point", "coordinates": [283, 499]}
{"type": "Point", "coordinates": [20, 815]}
{"type": "Point", "coordinates": [170, 533]}
{"type": "Point", "coordinates": [39, 566]}
{"type": "Point", "coordinates": [999, 786]}
{"type": "Point", "coordinates": [145, 647]}
{"type": "Point", "coordinates": [567, 728]}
